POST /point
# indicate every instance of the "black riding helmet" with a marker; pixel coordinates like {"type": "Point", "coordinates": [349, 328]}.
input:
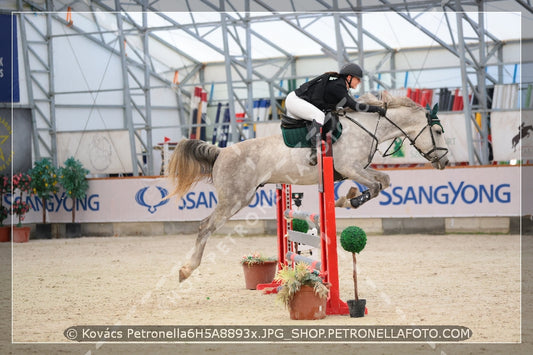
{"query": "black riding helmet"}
{"type": "Point", "coordinates": [353, 70]}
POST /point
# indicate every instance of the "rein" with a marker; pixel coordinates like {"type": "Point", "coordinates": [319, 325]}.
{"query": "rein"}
{"type": "Point", "coordinates": [373, 149]}
{"type": "Point", "coordinates": [374, 146]}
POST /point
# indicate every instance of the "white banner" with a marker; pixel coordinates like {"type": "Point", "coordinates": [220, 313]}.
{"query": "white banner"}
{"type": "Point", "coordinates": [455, 133]}
{"type": "Point", "coordinates": [101, 152]}
{"type": "Point", "coordinates": [512, 135]}
{"type": "Point", "coordinates": [456, 192]}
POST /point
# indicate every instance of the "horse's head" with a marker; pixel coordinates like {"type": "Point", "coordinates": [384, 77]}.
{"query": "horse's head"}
{"type": "Point", "coordinates": [434, 139]}
{"type": "Point", "coordinates": [425, 133]}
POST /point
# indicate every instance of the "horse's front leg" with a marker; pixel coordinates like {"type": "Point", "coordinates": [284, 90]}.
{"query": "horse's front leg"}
{"type": "Point", "coordinates": [382, 178]}
{"type": "Point", "coordinates": [374, 180]}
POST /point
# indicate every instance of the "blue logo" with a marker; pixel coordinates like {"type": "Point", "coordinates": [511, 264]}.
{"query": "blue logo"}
{"type": "Point", "coordinates": [139, 197]}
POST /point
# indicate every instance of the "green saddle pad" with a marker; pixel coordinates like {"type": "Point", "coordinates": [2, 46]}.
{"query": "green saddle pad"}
{"type": "Point", "coordinates": [295, 137]}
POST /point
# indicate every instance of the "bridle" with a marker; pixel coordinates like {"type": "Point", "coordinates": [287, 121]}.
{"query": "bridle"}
{"type": "Point", "coordinates": [432, 120]}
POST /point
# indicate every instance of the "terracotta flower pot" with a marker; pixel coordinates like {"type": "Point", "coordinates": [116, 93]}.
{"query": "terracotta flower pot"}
{"type": "Point", "coordinates": [5, 234]}
{"type": "Point", "coordinates": [307, 305]}
{"type": "Point", "coordinates": [259, 273]}
{"type": "Point", "coordinates": [21, 234]}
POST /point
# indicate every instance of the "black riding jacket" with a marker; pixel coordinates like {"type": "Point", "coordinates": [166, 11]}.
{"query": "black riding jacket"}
{"type": "Point", "coordinates": [327, 95]}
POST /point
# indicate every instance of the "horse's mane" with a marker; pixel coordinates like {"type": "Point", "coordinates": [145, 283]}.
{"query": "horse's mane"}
{"type": "Point", "coordinates": [392, 102]}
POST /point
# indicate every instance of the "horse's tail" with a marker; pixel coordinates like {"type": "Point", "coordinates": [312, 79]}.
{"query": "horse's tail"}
{"type": "Point", "coordinates": [191, 162]}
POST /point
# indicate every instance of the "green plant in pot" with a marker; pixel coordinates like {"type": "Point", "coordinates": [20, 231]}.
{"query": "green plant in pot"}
{"type": "Point", "coordinates": [20, 182]}
{"type": "Point", "coordinates": [20, 185]}
{"type": "Point", "coordinates": [303, 291]}
{"type": "Point", "coordinates": [5, 188]}
{"type": "Point", "coordinates": [4, 213]}
{"type": "Point", "coordinates": [256, 258]}
{"type": "Point", "coordinates": [44, 181]}
{"type": "Point", "coordinates": [5, 232]}
{"type": "Point", "coordinates": [300, 225]}
{"type": "Point", "coordinates": [353, 240]}
{"type": "Point", "coordinates": [258, 269]}
{"type": "Point", "coordinates": [72, 177]}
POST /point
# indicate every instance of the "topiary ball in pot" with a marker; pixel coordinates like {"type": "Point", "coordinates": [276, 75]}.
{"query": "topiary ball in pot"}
{"type": "Point", "coordinates": [353, 239]}
{"type": "Point", "coordinates": [300, 225]}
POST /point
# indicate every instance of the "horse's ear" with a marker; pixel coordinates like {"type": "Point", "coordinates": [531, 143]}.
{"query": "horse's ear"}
{"type": "Point", "coordinates": [435, 109]}
{"type": "Point", "coordinates": [385, 96]}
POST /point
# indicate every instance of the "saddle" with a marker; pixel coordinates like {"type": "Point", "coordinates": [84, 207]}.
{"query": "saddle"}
{"type": "Point", "coordinates": [295, 132]}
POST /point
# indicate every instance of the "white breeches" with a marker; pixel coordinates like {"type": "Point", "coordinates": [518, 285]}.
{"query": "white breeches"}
{"type": "Point", "coordinates": [299, 108]}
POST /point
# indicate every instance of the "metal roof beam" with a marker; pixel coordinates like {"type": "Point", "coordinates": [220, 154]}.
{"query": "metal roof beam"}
{"type": "Point", "coordinates": [219, 50]}
{"type": "Point", "coordinates": [525, 5]}
{"type": "Point", "coordinates": [328, 50]}
{"type": "Point", "coordinates": [150, 30]}
{"type": "Point", "coordinates": [422, 29]}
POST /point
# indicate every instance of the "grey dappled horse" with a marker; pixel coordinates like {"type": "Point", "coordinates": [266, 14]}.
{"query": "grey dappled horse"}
{"type": "Point", "coordinates": [238, 170]}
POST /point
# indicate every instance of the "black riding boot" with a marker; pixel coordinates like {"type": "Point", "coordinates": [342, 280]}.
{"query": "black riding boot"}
{"type": "Point", "coordinates": [312, 135]}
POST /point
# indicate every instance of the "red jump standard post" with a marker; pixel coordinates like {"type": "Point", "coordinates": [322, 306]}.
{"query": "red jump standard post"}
{"type": "Point", "coordinates": [328, 227]}
{"type": "Point", "coordinates": [283, 202]}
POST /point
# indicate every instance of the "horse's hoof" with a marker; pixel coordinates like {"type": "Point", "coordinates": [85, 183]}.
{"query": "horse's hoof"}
{"type": "Point", "coordinates": [184, 273]}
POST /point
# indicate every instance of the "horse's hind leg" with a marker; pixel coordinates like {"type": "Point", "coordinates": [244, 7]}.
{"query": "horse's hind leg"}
{"type": "Point", "coordinates": [226, 207]}
{"type": "Point", "coordinates": [207, 227]}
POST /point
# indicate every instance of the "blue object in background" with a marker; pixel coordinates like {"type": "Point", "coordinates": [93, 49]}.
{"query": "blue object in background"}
{"type": "Point", "coordinates": [9, 76]}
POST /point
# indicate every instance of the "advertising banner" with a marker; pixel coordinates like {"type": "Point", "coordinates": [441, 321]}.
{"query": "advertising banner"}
{"type": "Point", "coordinates": [15, 140]}
{"type": "Point", "coordinates": [102, 152]}
{"type": "Point", "coordinates": [512, 137]}
{"type": "Point", "coordinates": [9, 76]}
{"type": "Point", "coordinates": [457, 192]}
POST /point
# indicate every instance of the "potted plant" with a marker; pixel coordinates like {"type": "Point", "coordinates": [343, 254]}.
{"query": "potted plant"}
{"type": "Point", "coordinates": [5, 187]}
{"type": "Point", "coordinates": [4, 230]}
{"type": "Point", "coordinates": [19, 207]}
{"type": "Point", "coordinates": [353, 240]}
{"type": "Point", "coordinates": [302, 291]}
{"type": "Point", "coordinates": [258, 269]}
{"type": "Point", "coordinates": [44, 182]}
{"type": "Point", "coordinates": [72, 177]}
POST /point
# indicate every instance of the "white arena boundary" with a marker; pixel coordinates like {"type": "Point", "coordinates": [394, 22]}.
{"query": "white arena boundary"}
{"type": "Point", "coordinates": [455, 200]}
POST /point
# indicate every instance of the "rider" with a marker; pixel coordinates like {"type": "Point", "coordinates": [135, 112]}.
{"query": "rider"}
{"type": "Point", "coordinates": [315, 99]}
